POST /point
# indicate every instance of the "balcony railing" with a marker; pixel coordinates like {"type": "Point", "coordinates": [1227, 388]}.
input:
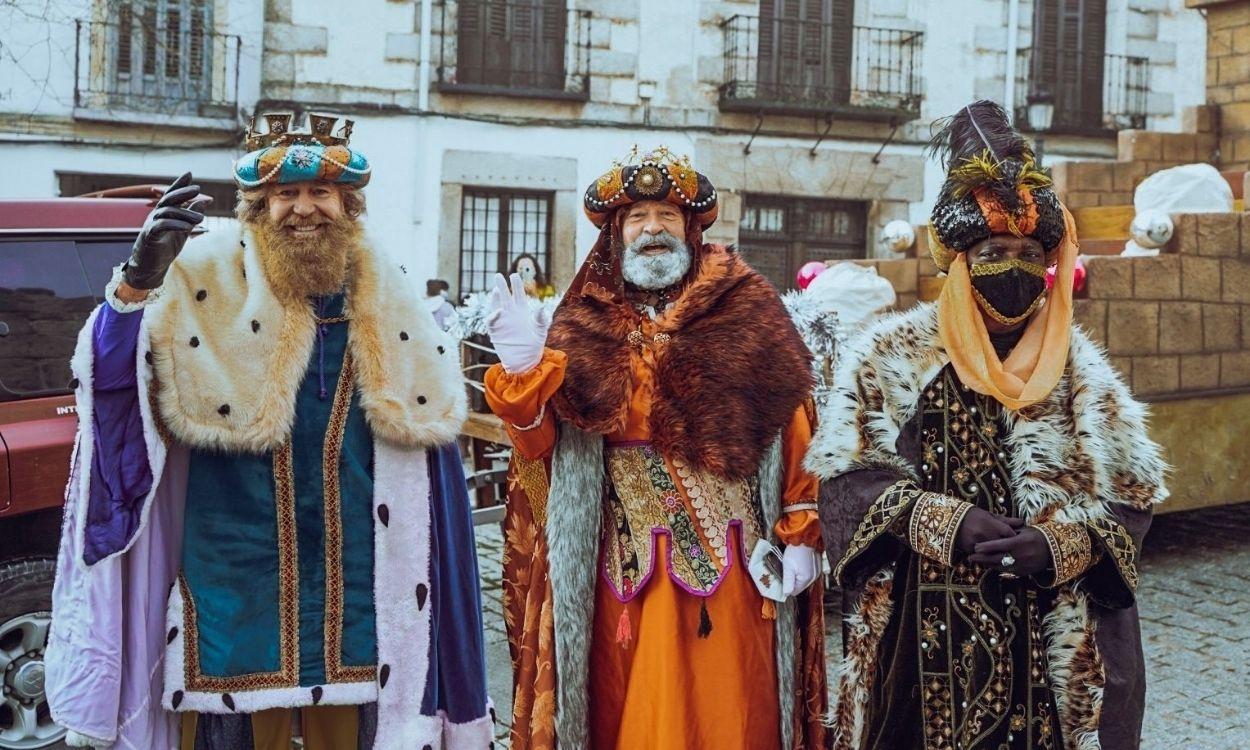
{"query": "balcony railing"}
{"type": "Point", "coordinates": [169, 65]}
{"type": "Point", "coordinates": [811, 68]}
{"type": "Point", "coordinates": [528, 48]}
{"type": "Point", "coordinates": [1081, 111]}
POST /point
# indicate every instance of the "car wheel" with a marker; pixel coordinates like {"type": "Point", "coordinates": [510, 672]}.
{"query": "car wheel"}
{"type": "Point", "coordinates": [25, 614]}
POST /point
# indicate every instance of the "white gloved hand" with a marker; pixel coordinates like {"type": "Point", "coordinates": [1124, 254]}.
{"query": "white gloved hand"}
{"type": "Point", "coordinates": [800, 565]}
{"type": "Point", "coordinates": [517, 334]}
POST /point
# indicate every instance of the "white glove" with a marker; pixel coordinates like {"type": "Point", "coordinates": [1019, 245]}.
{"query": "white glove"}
{"type": "Point", "coordinates": [800, 565]}
{"type": "Point", "coordinates": [517, 335]}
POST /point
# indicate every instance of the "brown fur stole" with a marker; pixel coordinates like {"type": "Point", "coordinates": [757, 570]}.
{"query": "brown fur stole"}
{"type": "Point", "coordinates": [727, 382]}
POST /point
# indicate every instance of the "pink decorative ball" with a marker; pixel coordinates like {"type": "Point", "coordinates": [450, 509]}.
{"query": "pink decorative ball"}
{"type": "Point", "coordinates": [1078, 276]}
{"type": "Point", "coordinates": [808, 273]}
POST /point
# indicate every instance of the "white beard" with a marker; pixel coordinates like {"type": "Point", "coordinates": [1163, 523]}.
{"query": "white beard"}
{"type": "Point", "coordinates": [655, 271]}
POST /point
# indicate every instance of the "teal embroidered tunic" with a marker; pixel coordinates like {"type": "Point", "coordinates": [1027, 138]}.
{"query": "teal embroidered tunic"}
{"type": "Point", "coordinates": [277, 564]}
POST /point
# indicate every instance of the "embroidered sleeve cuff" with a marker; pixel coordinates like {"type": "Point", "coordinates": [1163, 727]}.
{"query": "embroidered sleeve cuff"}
{"type": "Point", "coordinates": [886, 511]}
{"type": "Point", "coordinates": [934, 526]}
{"type": "Point", "coordinates": [110, 295]}
{"type": "Point", "coordinates": [1071, 550]}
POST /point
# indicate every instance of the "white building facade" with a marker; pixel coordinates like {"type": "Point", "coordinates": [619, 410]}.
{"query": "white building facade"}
{"type": "Point", "coordinates": [485, 120]}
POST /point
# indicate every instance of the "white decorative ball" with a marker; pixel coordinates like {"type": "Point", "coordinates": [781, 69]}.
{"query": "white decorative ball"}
{"type": "Point", "coordinates": [898, 235]}
{"type": "Point", "coordinates": [1151, 228]}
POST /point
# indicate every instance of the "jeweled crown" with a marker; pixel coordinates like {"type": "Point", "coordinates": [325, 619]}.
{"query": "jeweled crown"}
{"type": "Point", "coordinates": [280, 133]}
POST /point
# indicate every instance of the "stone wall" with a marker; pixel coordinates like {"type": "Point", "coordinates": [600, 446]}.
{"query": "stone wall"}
{"type": "Point", "coordinates": [1228, 75]}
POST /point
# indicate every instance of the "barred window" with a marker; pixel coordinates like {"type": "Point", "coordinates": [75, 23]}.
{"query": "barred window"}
{"type": "Point", "coordinates": [497, 227]}
{"type": "Point", "coordinates": [780, 233]}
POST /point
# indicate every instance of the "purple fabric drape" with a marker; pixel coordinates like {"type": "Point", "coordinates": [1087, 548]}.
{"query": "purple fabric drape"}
{"type": "Point", "coordinates": [121, 476]}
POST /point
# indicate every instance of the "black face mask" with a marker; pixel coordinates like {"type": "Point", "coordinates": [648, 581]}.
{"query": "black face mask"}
{"type": "Point", "coordinates": [1009, 291]}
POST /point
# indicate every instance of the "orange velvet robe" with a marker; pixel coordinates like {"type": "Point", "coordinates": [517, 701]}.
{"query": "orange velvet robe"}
{"type": "Point", "coordinates": [654, 683]}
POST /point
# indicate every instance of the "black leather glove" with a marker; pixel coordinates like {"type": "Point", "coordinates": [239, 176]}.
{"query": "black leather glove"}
{"type": "Point", "coordinates": [1028, 548]}
{"type": "Point", "coordinates": [164, 233]}
{"type": "Point", "coordinates": [979, 526]}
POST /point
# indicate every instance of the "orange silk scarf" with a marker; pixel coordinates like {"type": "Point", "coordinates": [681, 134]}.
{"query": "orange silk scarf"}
{"type": "Point", "coordinates": [1037, 362]}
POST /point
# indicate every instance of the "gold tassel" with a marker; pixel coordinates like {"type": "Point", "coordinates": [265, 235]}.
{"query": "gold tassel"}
{"type": "Point", "coordinates": [624, 629]}
{"type": "Point", "coordinates": [769, 610]}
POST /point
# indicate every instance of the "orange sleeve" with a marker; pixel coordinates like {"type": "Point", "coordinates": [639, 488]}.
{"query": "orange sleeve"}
{"type": "Point", "coordinates": [520, 400]}
{"type": "Point", "coordinates": [801, 525]}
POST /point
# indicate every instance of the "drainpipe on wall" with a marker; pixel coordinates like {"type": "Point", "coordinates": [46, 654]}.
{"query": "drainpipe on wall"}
{"type": "Point", "coordinates": [423, 77]}
{"type": "Point", "coordinates": [1013, 30]}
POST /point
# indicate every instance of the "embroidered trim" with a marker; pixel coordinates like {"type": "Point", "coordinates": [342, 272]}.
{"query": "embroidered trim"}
{"type": "Point", "coordinates": [1119, 543]}
{"type": "Point", "coordinates": [542, 412]}
{"type": "Point", "coordinates": [800, 506]}
{"type": "Point", "coordinates": [884, 511]}
{"type": "Point", "coordinates": [715, 525]}
{"type": "Point", "coordinates": [1070, 548]}
{"type": "Point", "coordinates": [934, 526]}
{"type": "Point", "coordinates": [287, 674]}
{"type": "Point", "coordinates": [989, 310]}
{"type": "Point", "coordinates": [531, 475]}
{"type": "Point", "coordinates": [331, 456]}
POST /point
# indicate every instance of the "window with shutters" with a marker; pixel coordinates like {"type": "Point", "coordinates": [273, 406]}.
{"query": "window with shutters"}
{"type": "Point", "coordinates": [779, 233]}
{"type": "Point", "coordinates": [808, 57]}
{"type": "Point", "coordinates": [157, 56]}
{"type": "Point", "coordinates": [497, 227]}
{"type": "Point", "coordinates": [1092, 92]}
{"type": "Point", "coordinates": [515, 48]}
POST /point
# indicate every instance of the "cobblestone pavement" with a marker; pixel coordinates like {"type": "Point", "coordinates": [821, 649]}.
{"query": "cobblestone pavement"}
{"type": "Point", "coordinates": [1195, 604]}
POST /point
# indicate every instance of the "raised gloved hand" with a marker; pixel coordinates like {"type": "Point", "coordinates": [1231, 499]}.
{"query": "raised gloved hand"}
{"type": "Point", "coordinates": [800, 565]}
{"type": "Point", "coordinates": [164, 233]}
{"type": "Point", "coordinates": [517, 334]}
{"type": "Point", "coordinates": [1029, 553]}
{"type": "Point", "coordinates": [980, 525]}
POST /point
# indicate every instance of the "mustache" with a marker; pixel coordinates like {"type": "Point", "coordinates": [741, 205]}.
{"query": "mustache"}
{"type": "Point", "coordinates": [667, 239]}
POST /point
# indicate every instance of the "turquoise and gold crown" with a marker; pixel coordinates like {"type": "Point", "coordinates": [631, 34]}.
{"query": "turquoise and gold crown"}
{"type": "Point", "coordinates": [284, 155]}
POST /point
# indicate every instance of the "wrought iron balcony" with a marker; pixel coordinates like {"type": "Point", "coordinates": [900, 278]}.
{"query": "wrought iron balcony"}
{"type": "Point", "coordinates": [527, 48]}
{"type": "Point", "coordinates": [800, 67]}
{"type": "Point", "coordinates": [171, 64]}
{"type": "Point", "coordinates": [1098, 104]}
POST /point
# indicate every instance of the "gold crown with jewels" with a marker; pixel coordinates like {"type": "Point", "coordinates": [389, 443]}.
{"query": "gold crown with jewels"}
{"type": "Point", "coordinates": [280, 133]}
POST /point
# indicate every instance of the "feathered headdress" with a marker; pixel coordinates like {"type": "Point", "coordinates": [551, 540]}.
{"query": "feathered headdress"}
{"type": "Point", "coordinates": [993, 184]}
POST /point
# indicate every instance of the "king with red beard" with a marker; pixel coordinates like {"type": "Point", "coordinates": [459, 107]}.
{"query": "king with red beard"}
{"type": "Point", "coordinates": [267, 510]}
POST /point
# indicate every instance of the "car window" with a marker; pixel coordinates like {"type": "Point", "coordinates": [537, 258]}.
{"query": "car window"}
{"type": "Point", "coordinates": [47, 290]}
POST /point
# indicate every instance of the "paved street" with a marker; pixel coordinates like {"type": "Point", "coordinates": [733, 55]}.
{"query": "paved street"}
{"type": "Point", "coordinates": [1195, 603]}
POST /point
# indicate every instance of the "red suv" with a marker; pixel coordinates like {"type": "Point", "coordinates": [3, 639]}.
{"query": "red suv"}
{"type": "Point", "coordinates": [56, 255]}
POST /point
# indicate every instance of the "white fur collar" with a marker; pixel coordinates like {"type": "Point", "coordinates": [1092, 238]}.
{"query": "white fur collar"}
{"type": "Point", "coordinates": [229, 357]}
{"type": "Point", "coordinates": [1082, 446]}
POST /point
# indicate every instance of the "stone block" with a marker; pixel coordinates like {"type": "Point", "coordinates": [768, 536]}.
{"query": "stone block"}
{"type": "Point", "coordinates": [1096, 176]}
{"type": "Point", "coordinates": [1241, 41]}
{"type": "Point", "coordinates": [607, 62]}
{"type": "Point", "coordinates": [1091, 315]}
{"type": "Point", "coordinates": [611, 9]}
{"type": "Point", "coordinates": [1201, 279]}
{"type": "Point", "coordinates": [1142, 24]}
{"type": "Point", "coordinates": [1177, 148]}
{"type": "Point", "coordinates": [278, 67]}
{"type": "Point", "coordinates": [1200, 372]}
{"type": "Point", "coordinates": [1082, 198]}
{"type": "Point", "coordinates": [625, 38]}
{"type": "Point", "coordinates": [1109, 277]}
{"type": "Point", "coordinates": [278, 11]}
{"type": "Point", "coordinates": [1219, 44]}
{"type": "Point", "coordinates": [1206, 147]}
{"type": "Point", "coordinates": [1153, 6]}
{"type": "Point", "coordinates": [1157, 278]}
{"type": "Point", "coordinates": [1139, 145]}
{"type": "Point", "coordinates": [1235, 369]}
{"type": "Point", "coordinates": [1198, 119]}
{"type": "Point", "coordinates": [1124, 366]}
{"type": "Point", "coordinates": [1184, 235]}
{"type": "Point", "coordinates": [294, 38]}
{"type": "Point", "coordinates": [623, 91]}
{"type": "Point", "coordinates": [600, 33]}
{"type": "Point", "coordinates": [1228, 15]}
{"type": "Point", "coordinates": [403, 46]}
{"type": "Point", "coordinates": [925, 267]}
{"type": "Point", "coordinates": [1059, 176]}
{"type": "Point", "coordinates": [1236, 280]}
{"type": "Point", "coordinates": [992, 38]}
{"type": "Point", "coordinates": [1132, 328]}
{"type": "Point", "coordinates": [1235, 116]}
{"type": "Point", "coordinates": [1180, 327]}
{"type": "Point", "coordinates": [1128, 174]}
{"type": "Point", "coordinates": [1159, 52]}
{"type": "Point", "coordinates": [905, 301]}
{"type": "Point", "coordinates": [1219, 235]}
{"type": "Point", "coordinates": [1234, 69]}
{"type": "Point", "coordinates": [1156, 375]}
{"type": "Point", "coordinates": [1245, 326]}
{"type": "Point", "coordinates": [1221, 327]}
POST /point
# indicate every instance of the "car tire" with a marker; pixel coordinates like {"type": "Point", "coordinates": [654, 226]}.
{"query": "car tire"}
{"type": "Point", "coordinates": [25, 595]}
